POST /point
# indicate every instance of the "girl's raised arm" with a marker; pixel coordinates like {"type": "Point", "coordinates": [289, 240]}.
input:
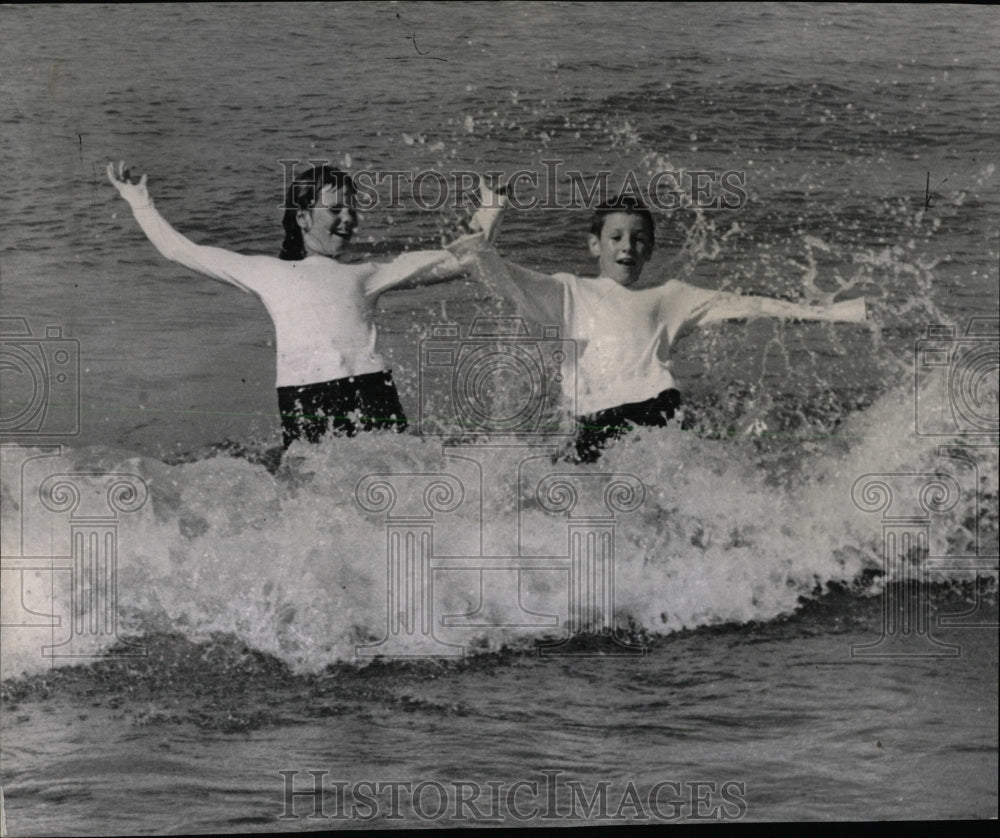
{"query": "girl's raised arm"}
{"type": "Point", "coordinates": [224, 265]}
{"type": "Point", "coordinates": [455, 260]}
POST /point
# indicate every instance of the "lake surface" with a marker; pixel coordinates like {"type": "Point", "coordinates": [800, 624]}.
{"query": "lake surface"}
{"type": "Point", "coordinates": [802, 579]}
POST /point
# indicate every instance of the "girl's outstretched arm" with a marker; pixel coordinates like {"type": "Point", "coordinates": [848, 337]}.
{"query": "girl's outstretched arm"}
{"type": "Point", "coordinates": [214, 262]}
{"type": "Point", "coordinates": [455, 260]}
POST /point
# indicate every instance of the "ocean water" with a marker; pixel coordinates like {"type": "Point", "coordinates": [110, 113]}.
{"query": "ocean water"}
{"type": "Point", "coordinates": [790, 600]}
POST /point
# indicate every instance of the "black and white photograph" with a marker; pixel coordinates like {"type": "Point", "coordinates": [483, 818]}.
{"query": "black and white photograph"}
{"type": "Point", "coordinates": [424, 415]}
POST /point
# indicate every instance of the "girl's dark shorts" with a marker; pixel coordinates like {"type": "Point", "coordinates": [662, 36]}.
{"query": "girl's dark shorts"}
{"type": "Point", "coordinates": [342, 407]}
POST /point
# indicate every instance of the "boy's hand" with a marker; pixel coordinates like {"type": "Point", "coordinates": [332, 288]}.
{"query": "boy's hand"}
{"type": "Point", "coordinates": [484, 226]}
{"type": "Point", "coordinates": [851, 311]}
{"type": "Point", "coordinates": [134, 193]}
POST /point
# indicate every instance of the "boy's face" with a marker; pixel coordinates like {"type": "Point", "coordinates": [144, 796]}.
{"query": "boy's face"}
{"type": "Point", "coordinates": [623, 247]}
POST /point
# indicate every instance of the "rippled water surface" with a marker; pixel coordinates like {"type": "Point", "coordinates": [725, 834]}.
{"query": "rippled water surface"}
{"type": "Point", "coordinates": [866, 142]}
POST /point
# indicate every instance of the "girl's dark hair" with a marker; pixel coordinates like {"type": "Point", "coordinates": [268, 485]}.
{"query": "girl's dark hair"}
{"type": "Point", "coordinates": [627, 204]}
{"type": "Point", "coordinates": [301, 195]}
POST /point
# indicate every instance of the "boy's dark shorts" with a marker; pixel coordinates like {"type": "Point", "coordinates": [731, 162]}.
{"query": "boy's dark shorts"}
{"type": "Point", "coordinates": [597, 429]}
{"type": "Point", "coordinates": [341, 407]}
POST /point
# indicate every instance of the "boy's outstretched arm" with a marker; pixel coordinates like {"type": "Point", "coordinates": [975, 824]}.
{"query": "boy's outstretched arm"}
{"type": "Point", "coordinates": [691, 307]}
{"type": "Point", "coordinates": [537, 296]}
{"type": "Point", "coordinates": [457, 259]}
{"type": "Point", "coordinates": [214, 262]}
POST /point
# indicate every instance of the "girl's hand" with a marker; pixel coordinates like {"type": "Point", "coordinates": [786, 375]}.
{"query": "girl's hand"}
{"type": "Point", "coordinates": [491, 207]}
{"type": "Point", "coordinates": [134, 193]}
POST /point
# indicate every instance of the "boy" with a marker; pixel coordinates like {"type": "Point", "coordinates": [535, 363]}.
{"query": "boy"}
{"type": "Point", "coordinates": [623, 333]}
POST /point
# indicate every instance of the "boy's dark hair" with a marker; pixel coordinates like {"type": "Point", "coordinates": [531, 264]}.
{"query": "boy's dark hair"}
{"type": "Point", "coordinates": [303, 193]}
{"type": "Point", "coordinates": [627, 204]}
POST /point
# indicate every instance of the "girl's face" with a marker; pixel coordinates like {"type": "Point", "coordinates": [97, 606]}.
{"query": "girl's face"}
{"type": "Point", "coordinates": [328, 225]}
